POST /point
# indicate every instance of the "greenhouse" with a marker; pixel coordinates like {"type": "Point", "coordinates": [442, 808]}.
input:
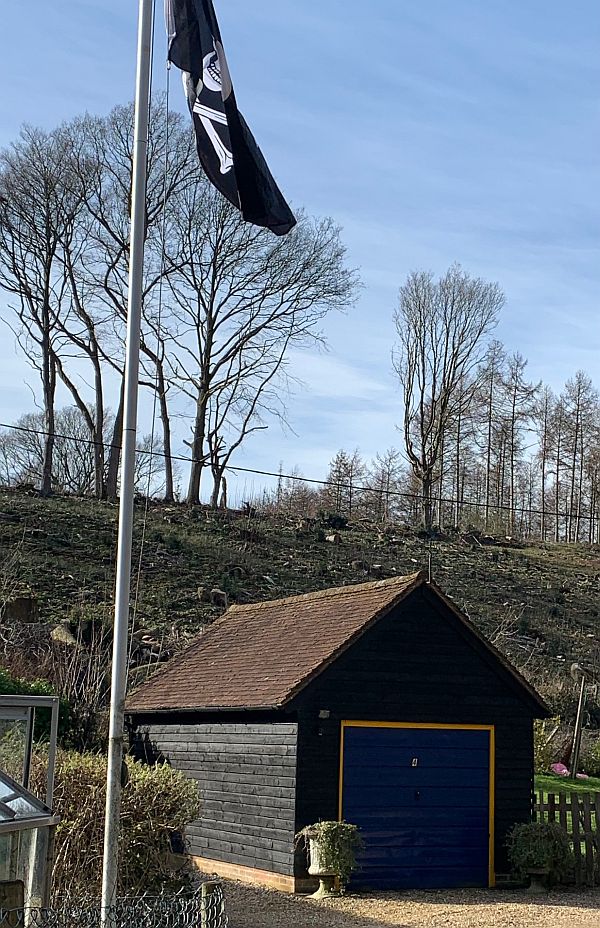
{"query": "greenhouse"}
{"type": "Point", "coordinates": [26, 821]}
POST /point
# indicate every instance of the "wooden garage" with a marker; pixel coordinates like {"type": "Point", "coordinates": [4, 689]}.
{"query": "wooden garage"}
{"type": "Point", "coordinates": [378, 703]}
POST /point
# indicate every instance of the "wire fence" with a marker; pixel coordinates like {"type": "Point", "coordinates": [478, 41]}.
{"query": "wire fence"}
{"type": "Point", "coordinates": [204, 908]}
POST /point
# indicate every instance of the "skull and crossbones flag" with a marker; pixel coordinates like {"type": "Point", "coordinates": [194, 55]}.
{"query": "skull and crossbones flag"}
{"type": "Point", "coordinates": [227, 150]}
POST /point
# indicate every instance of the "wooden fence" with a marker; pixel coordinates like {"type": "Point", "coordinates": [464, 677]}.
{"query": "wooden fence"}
{"type": "Point", "coordinates": [579, 816]}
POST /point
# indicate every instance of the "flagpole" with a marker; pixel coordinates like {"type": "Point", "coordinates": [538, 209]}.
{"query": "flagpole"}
{"type": "Point", "coordinates": [132, 351]}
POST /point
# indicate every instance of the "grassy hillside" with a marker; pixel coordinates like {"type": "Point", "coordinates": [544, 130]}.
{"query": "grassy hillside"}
{"type": "Point", "coordinates": [539, 604]}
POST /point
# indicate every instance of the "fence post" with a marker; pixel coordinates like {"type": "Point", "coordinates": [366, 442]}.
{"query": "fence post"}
{"type": "Point", "coordinates": [210, 915]}
{"type": "Point", "coordinates": [575, 825]}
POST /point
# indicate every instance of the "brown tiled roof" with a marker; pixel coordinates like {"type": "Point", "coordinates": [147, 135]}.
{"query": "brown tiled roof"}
{"type": "Point", "coordinates": [260, 655]}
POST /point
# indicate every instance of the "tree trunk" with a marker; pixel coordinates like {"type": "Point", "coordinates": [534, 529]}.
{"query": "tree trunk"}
{"type": "Point", "coordinates": [592, 519]}
{"type": "Point", "coordinates": [49, 390]}
{"type": "Point", "coordinates": [488, 457]}
{"type": "Point", "coordinates": [579, 490]}
{"type": "Point", "coordinates": [440, 494]}
{"type": "Point", "coordinates": [166, 428]}
{"type": "Point", "coordinates": [571, 507]}
{"type": "Point", "coordinates": [218, 497]}
{"type": "Point", "coordinates": [513, 432]}
{"type": "Point", "coordinates": [223, 499]}
{"type": "Point", "coordinates": [457, 473]}
{"type": "Point", "coordinates": [427, 502]}
{"type": "Point", "coordinates": [46, 482]}
{"type": "Point", "coordinates": [543, 477]}
{"type": "Point", "coordinates": [114, 456]}
{"type": "Point", "coordinates": [386, 504]}
{"type": "Point", "coordinates": [501, 497]}
{"type": "Point", "coordinates": [557, 487]}
{"type": "Point", "coordinates": [197, 446]}
{"type": "Point", "coordinates": [99, 482]}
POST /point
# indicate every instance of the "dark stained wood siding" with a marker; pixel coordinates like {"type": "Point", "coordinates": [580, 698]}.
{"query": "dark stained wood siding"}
{"type": "Point", "coordinates": [266, 774]}
{"type": "Point", "coordinates": [247, 778]}
{"type": "Point", "coordinates": [418, 664]}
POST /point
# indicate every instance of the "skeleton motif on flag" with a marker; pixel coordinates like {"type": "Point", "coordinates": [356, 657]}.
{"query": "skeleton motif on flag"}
{"type": "Point", "coordinates": [212, 91]}
{"type": "Point", "coordinates": [226, 148]}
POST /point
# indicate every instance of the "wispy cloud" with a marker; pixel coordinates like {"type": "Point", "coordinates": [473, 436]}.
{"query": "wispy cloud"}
{"type": "Point", "coordinates": [435, 132]}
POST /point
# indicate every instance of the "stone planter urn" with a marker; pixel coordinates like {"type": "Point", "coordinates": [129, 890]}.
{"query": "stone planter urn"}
{"type": "Point", "coordinates": [326, 877]}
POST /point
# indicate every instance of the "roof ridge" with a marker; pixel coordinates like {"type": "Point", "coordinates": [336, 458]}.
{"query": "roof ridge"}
{"type": "Point", "coordinates": [329, 592]}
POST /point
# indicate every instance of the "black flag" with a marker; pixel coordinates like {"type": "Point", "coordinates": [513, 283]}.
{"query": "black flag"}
{"type": "Point", "coordinates": [226, 147]}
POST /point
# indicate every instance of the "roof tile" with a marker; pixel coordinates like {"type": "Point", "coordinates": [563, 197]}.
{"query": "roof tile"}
{"type": "Point", "coordinates": [259, 655]}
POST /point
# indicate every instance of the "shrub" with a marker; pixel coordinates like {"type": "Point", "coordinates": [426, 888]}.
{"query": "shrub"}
{"type": "Point", "coordinates": [156, 802]}
{"type": "Point", "coordinates": [540, 846]}
{"type": "Point", "coordinates": [332, 519]}
{"type": "Point", "coordinates": [338, 843]}
{"type": "Point", "coordinates": [590, 760]}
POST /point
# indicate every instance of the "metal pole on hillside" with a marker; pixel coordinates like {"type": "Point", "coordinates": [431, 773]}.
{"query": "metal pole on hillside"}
{"type": "Point", "coordinates": [578, 727]}
{"type": "Point", "coordinates": [123, 581]}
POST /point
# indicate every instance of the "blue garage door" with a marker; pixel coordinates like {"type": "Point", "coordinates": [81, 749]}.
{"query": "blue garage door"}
{"type": "Point", "coordinates": [421, 799]}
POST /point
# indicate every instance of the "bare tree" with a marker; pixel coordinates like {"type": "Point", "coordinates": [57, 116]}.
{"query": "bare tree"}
{"type": "Point", "coordinates": [241, 299]}
{"type": "Point", "coordinates": [253, 392]}
{"type": "Point", "coordinates": [442, 326]}
{"type": "Point", "coordinates": [22, 451]}
{"type": "Point", "coordinates": [542, 413]}
{"type": "Point", "coordinates": [491, 376]}
{"type": "Point", "coordinates": [558, 450]}
{"type": "Point", "coordinates": [385, 482]}
{"type": "Point", "coordinates": [83, 329]}
{"type": "Point", "coordinates": [343, 490]}
{"type": "Point", "coordinates": [459, 452]}
{"type": "Point", "coordinates": [36, 217]}
{"type": "Point", "coordinates": [581, 407]}
{"type": "Point", "coordinates": [292, 496]}
{"type": "Point", "coordinates": [521, 397]}
{"type": "Point", "coordinates": [73, 457]}
{"type": "Point", "coordinates": [101, 161]}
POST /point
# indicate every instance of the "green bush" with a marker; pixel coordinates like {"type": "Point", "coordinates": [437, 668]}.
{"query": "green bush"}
{"type": "Point", "coordinates": [337, 843]}
{"type": "Point", "coordinates": [590, 760]}
{"type": "Point", "coordinates": [540, 846]}
{"type": "Point", "coordinates": [156, 802]}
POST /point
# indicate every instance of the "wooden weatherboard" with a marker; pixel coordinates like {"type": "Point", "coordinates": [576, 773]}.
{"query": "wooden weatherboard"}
{"type": "Point", "coordinates": [268, 770]}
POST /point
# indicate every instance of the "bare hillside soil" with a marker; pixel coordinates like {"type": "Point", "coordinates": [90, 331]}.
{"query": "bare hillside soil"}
{"type": "Point", "coordinates": [540, 604]}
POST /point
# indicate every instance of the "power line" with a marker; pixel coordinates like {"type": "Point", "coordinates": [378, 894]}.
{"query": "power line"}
{"type": "Point", "coordinates": [400, 494]}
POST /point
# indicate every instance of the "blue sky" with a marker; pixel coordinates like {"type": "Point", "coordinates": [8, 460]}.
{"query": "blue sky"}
{"type": "Point", "coordinates": [432, 132]}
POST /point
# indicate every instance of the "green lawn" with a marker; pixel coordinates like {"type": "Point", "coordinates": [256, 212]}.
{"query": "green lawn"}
{"type": "Point", "coordinates": [553, 784]}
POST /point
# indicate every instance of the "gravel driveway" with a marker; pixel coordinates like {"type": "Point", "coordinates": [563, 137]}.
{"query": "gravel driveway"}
{"type": "Point", "coordinates": [250, 907]}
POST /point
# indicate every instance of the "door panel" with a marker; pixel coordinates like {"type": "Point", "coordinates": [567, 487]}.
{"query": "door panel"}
{"type": "Point", "coordinates": [420, 797]}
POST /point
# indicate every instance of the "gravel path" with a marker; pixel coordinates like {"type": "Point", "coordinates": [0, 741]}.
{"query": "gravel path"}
{"type": "Point", "coordinates": [251, 907]}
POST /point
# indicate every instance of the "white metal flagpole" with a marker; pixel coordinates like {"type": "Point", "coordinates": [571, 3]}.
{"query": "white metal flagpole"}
{"type": "Point", "coordinates": [132, 351]}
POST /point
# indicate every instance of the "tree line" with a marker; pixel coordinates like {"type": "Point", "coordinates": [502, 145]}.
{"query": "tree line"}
{"type": "Point", "coordinates": [223, 301]}
{"type": "Point", "coordinates": [484, 447]}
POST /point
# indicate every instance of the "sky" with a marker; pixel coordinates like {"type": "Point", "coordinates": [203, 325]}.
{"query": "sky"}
{"type": "Point", "coordinates": [432, 132]}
